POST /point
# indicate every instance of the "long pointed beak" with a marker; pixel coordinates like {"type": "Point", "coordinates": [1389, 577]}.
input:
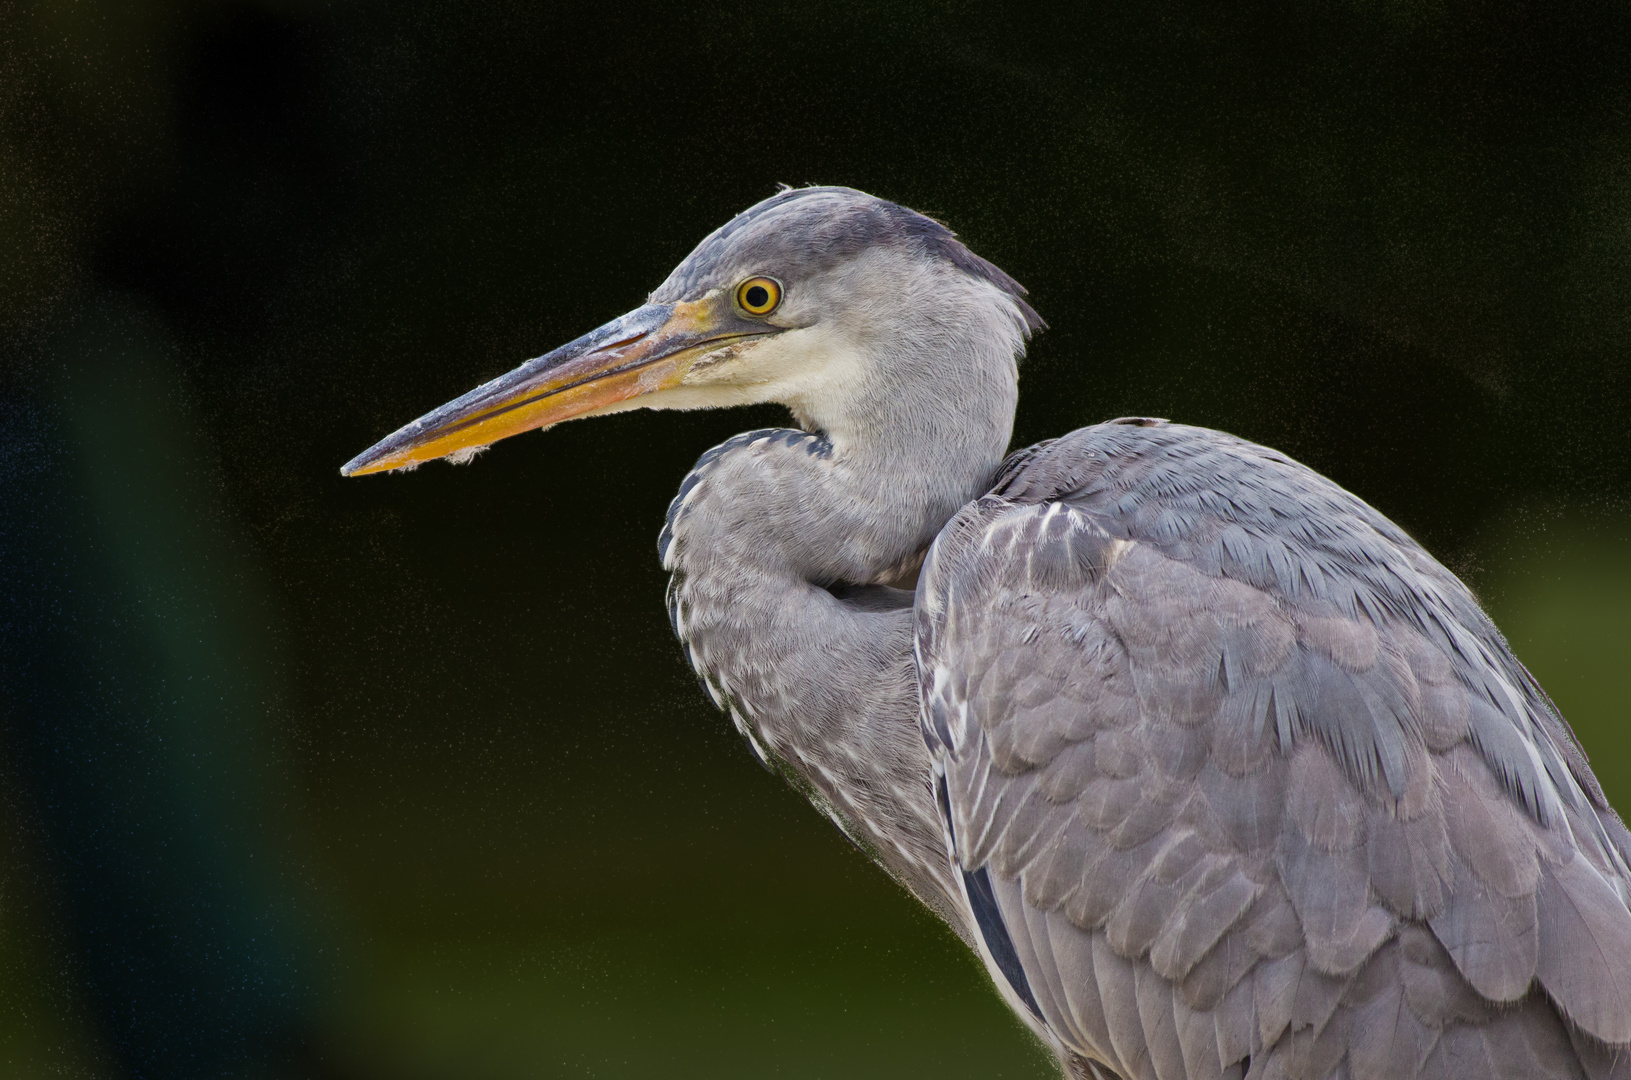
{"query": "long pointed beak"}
{"type": "Point", "coordinates": [649, 349]}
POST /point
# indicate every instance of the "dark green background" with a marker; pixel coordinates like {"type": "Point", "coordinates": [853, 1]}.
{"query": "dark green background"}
{"type": "Point", "coordinates": [404, 777]}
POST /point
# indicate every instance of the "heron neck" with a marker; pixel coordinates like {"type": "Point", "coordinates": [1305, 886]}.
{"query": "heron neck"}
{"type": "Point", "coordinates": [768, 540]}
{"type": "Point", "coordinates": [916, 436]}
{"type": "Point", "coordinates": [820, 683]}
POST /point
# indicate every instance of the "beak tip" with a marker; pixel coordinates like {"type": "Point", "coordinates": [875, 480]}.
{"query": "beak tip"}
{"type": "Point", "coordinates": [360, 465]}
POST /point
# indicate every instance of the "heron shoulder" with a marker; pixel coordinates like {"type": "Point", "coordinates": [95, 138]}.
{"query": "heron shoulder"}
{"type": "Point", "coordinates": [1234, 511]}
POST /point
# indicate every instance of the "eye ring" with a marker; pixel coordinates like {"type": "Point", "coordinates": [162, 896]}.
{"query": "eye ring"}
{"type": "Point", "coordinates": [759, 295]}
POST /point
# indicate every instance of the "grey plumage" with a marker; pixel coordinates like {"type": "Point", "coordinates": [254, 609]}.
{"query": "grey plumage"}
{"type": "Point", "coordinates": [1442, 853]}
{"type": "Point", "coordinates": [1220, 772]}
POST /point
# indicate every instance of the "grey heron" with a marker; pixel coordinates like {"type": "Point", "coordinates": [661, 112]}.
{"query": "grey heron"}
{"type": "Point", "coordinates": [1220, 773]}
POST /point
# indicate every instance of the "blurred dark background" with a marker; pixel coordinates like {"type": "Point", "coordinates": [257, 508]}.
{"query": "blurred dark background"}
{"type": "Point", "coordinates": [404, 777]}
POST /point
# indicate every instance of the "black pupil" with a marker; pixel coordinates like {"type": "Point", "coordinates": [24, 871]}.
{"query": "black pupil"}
{"type": "Point", "coordinates": [757, 296]}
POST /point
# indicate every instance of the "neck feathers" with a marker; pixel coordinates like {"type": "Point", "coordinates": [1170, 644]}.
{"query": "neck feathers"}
{"type": "Point", "coordinates": [770, 527]}
{"type": "Point", "coordinates": [823, 689]}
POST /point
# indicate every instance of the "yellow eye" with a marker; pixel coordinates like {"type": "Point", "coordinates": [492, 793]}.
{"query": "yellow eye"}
{"type": "Point", "coordinates": [759, 296]}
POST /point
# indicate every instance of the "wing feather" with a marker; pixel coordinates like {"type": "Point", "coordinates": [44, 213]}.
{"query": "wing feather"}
{"type": "Point", "coordinates": [1119, 993]}
{"type": "Point", "coordinates": [1236, 1029]}
{"type": "Point", "coordinates": [1495, 940]}
{"type": "Point", "coordinates": [1160, 1026]}
{"type": "Point", "coordinates": [1409, 863]}
{"type": "Point", "coordinates": [1072, 950]}
{"type": "Point", "coordinates": [1201, 919]}
{"type": "Point", "coordinates": [1433, 988]}
{"type": "Point", "coordinates": [1036, 951]}
{"type": "Point", "coordinates": [1598, 1060]}
{"type": "Point", "coordinates": [1585, 950]}
{"type": "Point", "coordinates": [1197, 1041]}
{"type": "Point", "coordinates": [1275, 985]}
{"type": "Point", "coordinates": [1390, 1041]}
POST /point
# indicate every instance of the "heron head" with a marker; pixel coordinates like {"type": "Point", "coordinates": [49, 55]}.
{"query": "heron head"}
{"type": "Point", "coordinates": [812, 297]}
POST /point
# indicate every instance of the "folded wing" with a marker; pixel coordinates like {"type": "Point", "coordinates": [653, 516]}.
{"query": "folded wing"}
{"type": "Point", "coordinates": [1254, 786]}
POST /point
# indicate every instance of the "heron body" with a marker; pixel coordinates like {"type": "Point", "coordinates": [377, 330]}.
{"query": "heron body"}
{"type": "Point", "coordinates": [1219, 772]}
